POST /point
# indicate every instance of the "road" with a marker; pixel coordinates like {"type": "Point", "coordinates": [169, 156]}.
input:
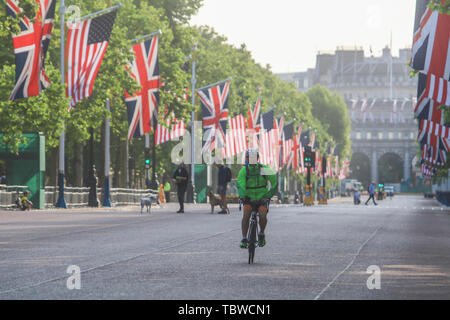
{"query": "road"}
{"type": "Point", "coordinates": [320, 252]}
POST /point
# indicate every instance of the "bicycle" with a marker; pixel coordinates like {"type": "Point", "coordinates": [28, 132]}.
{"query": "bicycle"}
{"type": "Point", "coordinates": [253, 234]}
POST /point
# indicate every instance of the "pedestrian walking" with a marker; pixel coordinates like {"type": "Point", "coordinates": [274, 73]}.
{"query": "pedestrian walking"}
{"type": "Point", "coordinates": [371, 191]}
{"type": "Point", "coordinates": [181, 178]}
{"type": "Point", "coordinates": [224, 177]}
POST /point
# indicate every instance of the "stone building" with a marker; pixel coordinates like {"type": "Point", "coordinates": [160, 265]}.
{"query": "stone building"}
{"type": "Point", "coordinates": [380, 97]}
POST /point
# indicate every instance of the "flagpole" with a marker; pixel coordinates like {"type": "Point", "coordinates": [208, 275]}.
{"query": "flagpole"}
{"type": "Point", "coordinates": [107, 196]}
{"type": "Point", "coordinates": [117, 6]}
{"type": "Point", "coordinates": [150, 35]}
{"type": "Point", "coordinates": [214, 84]}
{"type": "Point", "coordinates": [61, 203]}
{"type": "Point", "coordinates": [193, 82]}
{"type": "Point", "coordinates": [147, 156]}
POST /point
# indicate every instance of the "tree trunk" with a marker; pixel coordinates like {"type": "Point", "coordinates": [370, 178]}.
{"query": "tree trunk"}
{"type": "Point", "coordinates": [78, 165]}
{"type": "Point", "coordinates": [53, 168]}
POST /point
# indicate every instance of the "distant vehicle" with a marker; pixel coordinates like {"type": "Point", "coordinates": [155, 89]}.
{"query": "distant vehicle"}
{"type": "Point", "coordinates": [351, 186]}
{"type": "Point", "coordinates": [389, 191]}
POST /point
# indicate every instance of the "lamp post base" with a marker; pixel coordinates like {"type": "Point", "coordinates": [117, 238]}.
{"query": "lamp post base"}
{"type": "Point", "coordinates": [61, 203]}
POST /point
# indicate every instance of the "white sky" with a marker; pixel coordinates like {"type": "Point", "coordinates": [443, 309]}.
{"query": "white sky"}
{"type": "Point", "coordinates": [287, 34]}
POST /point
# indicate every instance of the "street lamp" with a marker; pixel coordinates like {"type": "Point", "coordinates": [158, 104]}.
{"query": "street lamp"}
{"type": "Point", "coordinates": [191, 186]}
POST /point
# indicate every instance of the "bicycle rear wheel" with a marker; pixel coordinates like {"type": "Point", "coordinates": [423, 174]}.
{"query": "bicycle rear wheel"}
{"type": "Point", "coordinates": [252, 241]}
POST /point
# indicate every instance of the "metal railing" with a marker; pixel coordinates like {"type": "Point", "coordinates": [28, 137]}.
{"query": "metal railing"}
{"type": "Point", "coordinates": [79, 196]}
{"type": "Point", "coordinates": [9, 194]}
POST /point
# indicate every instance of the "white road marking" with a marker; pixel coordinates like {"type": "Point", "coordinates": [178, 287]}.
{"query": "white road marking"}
{"type": "Point", "coordinates": [348, 266]}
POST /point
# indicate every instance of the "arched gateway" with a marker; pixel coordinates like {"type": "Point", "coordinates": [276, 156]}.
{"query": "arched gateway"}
{"type": "Point", "coordinates": [387, 138]}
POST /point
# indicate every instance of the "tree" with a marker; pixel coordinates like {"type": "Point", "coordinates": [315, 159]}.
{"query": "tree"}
{"type": "Point", "coordinates": [330, 109]}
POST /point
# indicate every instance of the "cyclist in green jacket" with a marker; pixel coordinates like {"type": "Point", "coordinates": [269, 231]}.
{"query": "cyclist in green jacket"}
{"type": "Point", "coordinates": [256, 183]}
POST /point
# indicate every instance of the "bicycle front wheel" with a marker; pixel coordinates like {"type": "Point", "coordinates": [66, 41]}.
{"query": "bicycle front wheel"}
{"type": "Point", "coordinates": [252, 242]}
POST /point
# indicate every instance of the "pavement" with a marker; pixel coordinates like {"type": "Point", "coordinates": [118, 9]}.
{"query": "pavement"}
{"type": "Point", "coordinates": [399, 249]}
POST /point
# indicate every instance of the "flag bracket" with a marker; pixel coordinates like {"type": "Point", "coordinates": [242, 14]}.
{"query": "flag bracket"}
{"type": "Point", "coordinates": [150, 35]}
{"type": "Point", "coordinates": [117, 6]}
{"type": "Point", "coordinates": [214, 84]}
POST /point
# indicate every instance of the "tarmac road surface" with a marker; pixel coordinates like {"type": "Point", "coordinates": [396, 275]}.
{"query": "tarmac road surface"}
{"type": "Point", "coordinates": [320, 252]}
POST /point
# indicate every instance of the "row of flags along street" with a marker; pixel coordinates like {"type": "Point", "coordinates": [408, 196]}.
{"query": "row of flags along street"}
{"type": "Point", "coordinates": [87, 42]}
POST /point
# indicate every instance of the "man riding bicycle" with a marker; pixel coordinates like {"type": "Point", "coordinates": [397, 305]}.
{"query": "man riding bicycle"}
{"type": "Point", "coordinates": [256, 184]}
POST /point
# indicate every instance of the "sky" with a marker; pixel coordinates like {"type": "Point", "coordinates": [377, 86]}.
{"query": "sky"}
{"type": "Point", "coordinates": [287, 34]}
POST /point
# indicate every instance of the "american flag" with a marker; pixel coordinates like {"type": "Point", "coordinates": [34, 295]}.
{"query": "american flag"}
{"type": "Point", "coordinates": [277, 141]}
{"type": "Point", "coordinates": [214, 103]}
{"type": "Point", "coordinates": [173, 129]}
{"type": "Point", "coordinates": [236, 136]}
{"type": "Point", "coordinates": [287, 143]}
{"type": "Point", "coordinates": [30, 48]}
{"type": "Point", "coordinates": [304, 138]}
{"type": "Point", "coordinates": [87, 42]}
{"type": "Point", "coordinates": [313, 141]}
{"type": "Point", "coordinates": [266, 138]}
{"type": "Point", "coordinates": [254, 124]}
{"type": "Point", "coordinates": [142, 107]}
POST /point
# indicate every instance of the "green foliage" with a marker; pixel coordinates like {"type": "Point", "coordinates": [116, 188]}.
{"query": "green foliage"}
{"type": "Point", "coordinates": [9, 25]}
{"type": "Point", "coordinates": [42, 113]}
{"type": "Point", "coordinates": [330, 109]}
{"type": "Point", "coordinates": [443, 8]}
{"type": "Point", "coordinates": [216, 60]}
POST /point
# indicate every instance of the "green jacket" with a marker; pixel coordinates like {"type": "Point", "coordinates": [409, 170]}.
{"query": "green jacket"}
{"type": "Point", "coordinates": [255, 186]}
{"type": "Point", "coordinates": [167, 187]}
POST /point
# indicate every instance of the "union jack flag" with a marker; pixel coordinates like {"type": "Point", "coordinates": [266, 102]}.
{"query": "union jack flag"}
{"type": "Point", "coordinates": [428, 126]}
{"type": "Point", "coordinates": [87, 42]}
{"type": "Point", "coordinates": [214, 103]}
{"type": "Point", "coordinates": [142, 106]}
{"type": "Point", "coordinates": [296, 161]}
{"type": "Point", "coordinates": [430, 52]}
{"type": "Point", "coordinates": [30, 48]}
{"type": "Point", "coordinates": [431, 56]}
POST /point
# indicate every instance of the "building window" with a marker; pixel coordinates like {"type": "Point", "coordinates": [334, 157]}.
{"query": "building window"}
{"type": "Point", "coordinates": [369, 135]}
{"type": "Point", "coordinates": [391, 135]}
{"type": "Point", "coordinates": [380, 135]}
{"type": "Point", "coordinates": [411, 135]}
{"type": "Point", "coordinates": [358, 136]}
{"type": "Point", "coordinates": [399, 135]}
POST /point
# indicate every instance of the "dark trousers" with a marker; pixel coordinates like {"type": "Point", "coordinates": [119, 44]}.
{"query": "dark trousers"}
{"type": "Point", "coordinates": [181, 191]}
{"type": "Point", "coordinates": [167, 195]}
{"type": "Point", "coordinates": [372, 196]}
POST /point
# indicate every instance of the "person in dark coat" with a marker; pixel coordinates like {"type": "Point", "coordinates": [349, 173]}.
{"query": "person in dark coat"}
{"type": "Point", "coordinates": [224, 176]}
{"type": "Point", "coordinates": [181, 179]}
{"type": "Point", "coordinates": [371, 193]}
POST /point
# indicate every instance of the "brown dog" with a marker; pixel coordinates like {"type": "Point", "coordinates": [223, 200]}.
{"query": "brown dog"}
{"type": "Point", "coordinates": [214, 201]}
